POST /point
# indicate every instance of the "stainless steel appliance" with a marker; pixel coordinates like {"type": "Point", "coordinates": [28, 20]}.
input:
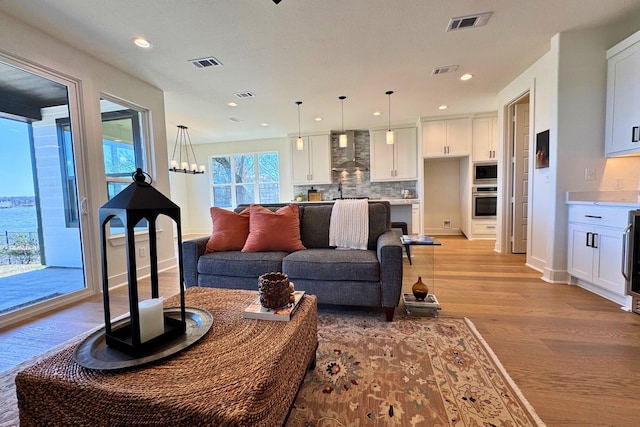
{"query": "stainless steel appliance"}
{"type": "Point", "coordinates": [484, 202]}
{"type": "Point", "coordinates": [485, 173]}
{"type": "Point", "coordinates": [631, 259]}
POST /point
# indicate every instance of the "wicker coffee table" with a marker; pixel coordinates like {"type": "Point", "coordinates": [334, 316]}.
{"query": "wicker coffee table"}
{"type": "Point", "coordinates": [243, 372]}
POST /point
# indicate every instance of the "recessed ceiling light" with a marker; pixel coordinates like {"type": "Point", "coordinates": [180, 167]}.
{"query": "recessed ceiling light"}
{"type": "Point", "coordinates": [466, 76]}
{"type": "Point", "coordinates": [264, 124]}
{"type": "Point", "coordinates": [377, 113]}
{"type": "Point", "coordinates": [142, 42]}
{"type": "Point", "coordinates": [232, 104]}
{"type": "Point", "coordinates": [318, 119]}
{"type": "Point", "coordinates": [442, 107]}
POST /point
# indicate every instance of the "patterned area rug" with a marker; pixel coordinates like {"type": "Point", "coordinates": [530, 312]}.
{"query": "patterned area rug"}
{"type": "Point", "coordinates": [409, 372]}
{"type": "Point", "coordinates": [414, 371]}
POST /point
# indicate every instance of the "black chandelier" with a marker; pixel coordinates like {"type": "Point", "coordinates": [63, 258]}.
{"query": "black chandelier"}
{"type": "Point", "coordinates": [183, 145]}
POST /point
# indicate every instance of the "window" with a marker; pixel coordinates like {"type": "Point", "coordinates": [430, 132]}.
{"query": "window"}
{"type": "Point", "coordinates": [245, 178]}
{"type": "Point", "coordinates": [123, 148]}
{"type": "Point", "coordinates": [67, 169]}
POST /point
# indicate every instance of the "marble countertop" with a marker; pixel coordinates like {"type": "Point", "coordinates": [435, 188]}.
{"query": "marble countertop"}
{"type": "Point", "coordinates": [612, 198]}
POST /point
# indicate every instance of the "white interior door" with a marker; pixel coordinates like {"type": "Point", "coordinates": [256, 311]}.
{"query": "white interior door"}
{"type": "Point", "coordinates": [520, 169]}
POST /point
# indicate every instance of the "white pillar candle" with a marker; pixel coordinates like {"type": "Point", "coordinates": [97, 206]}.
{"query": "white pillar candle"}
{"type": "Point", "coordinates": [174, 164]}
{"type": "Point", "coordinates": [202, 169]}
{"type": "Point", "coordinates": [185, 165]}
{"type": "Point", "coordinates": [151, 318]}
{"type": "Point", "coordinates": [194, 167]}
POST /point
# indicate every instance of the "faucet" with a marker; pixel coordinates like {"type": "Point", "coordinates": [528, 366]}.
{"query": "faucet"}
{"type": "Point", "coordinates": [340, 189]}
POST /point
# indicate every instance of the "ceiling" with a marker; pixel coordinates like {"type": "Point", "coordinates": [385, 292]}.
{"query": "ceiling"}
{"type": "Point", "coordinates": [314, 51]}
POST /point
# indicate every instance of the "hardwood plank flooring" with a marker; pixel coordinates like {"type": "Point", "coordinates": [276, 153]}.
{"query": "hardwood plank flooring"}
{"type": "Point", "coordinates": [574, 355]}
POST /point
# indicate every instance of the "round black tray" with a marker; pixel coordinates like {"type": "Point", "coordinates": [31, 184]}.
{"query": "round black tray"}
{"type": "Point", "coordinates": [94, 353]}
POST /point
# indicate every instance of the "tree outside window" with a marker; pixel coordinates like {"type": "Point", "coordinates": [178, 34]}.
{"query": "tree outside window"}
{"type": "Point", "coordinates": [245, 178]}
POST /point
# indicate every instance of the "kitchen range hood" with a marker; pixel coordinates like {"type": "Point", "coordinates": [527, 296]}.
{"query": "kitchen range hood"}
{"type": "Point", "coordinates": [351, 164]}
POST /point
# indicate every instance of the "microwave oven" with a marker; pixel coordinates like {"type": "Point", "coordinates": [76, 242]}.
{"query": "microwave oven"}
{"type": "Point", "coordinates": [485, 173]}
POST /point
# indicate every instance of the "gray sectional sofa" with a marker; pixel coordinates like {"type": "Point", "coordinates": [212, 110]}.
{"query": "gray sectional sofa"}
{"type": "Point", "coordinates": [370, 277]}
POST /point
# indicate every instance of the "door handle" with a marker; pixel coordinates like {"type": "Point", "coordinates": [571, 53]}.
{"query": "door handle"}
{"type": "Point", "coordinates": [586, 243]}
{"type": "Point", "coordinates": [83, 206]}
{"type": "Point", "coordinates": [625, 253]}
{"type": "Point", "coordinates": [594, 242]}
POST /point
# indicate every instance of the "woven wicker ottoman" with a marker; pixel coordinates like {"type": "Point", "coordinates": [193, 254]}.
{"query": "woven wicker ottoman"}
{"type": "Point", "coordinates": [241, 373]}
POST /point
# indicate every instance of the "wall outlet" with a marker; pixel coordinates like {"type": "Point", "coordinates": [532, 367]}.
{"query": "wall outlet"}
{"type": "Point", "coordinates": [446, 224]}
{"type": "Point", "coordinates": [142, 252]}
{"type": "Point", "coordinates": [617, 183]}
{"type": "Point", "coordinates": [589, 174]}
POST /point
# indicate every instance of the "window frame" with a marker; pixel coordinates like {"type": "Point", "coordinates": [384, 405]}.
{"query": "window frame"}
{"type": "Point", "coordinates": [71, 211]}
{"type": "Point", "coordinates": [141, 147]}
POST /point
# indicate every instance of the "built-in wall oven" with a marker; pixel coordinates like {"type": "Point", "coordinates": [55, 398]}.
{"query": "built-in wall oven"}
{"type": "Point", "coordinates": [631, 259]}
{"type": "Point", "coordinates": [484, 202]}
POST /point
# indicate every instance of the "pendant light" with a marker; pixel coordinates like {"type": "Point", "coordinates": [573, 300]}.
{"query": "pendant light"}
{"type": "Point", "coordinates": [389, 131]}
{"type": "Point", "coordinates": [342, 139]}
{"type": "Point", "coordinates": [299, 142]}
{"type": "Point", "coordinates": [188, 163]}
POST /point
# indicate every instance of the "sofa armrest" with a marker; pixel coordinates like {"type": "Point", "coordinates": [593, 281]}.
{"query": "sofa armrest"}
{"type": "Point", "coordinates": [192, 250]}
{"type": "Point", "coordinates": [389, 250]}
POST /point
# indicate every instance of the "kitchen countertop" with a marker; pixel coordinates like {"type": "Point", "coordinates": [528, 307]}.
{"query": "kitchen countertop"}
{"type": "Point", "coordinates": [392, 202]}
{"type": "Point", "coordinates": [605, 198]}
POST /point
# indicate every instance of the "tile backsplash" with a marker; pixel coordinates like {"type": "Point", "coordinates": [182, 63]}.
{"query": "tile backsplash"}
{"type": "Point", "coordinates": [357, 184]}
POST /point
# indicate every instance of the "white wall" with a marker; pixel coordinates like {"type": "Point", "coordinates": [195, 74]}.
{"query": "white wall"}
{"type": "Point", "coordinates": [24, 45]}
{"type": "Point", "coordinates": [442, 196]}
{"type": "Point", "coordinates": [193, 192]}
{"type": "Point", "coordinates": [540, 81]}
{"type": "Point", "coordinates": [568, 88]}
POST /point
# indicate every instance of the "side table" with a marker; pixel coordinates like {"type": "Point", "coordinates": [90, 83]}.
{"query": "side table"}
{"type": "Point", "coordinates": [430, 305]}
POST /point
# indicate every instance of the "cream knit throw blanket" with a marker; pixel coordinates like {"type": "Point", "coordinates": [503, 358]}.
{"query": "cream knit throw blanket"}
{"type": "Point", "coordinates": [349, 226]}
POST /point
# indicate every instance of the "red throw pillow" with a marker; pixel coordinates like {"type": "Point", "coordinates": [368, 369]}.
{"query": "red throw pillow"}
{"type": "Point", "coordinates": [230, 230]}
{"type": "Point", "coordinates": [274, 231]}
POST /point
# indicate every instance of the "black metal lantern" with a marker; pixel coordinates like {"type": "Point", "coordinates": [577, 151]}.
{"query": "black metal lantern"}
{"type": "Point", "coordinates": [137, 202]}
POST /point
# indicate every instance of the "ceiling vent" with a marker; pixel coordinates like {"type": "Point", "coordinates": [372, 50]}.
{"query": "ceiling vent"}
{"type": "Point", "coordinates": [234, 119]}
{"type": "Point", "coordinates": [206, 62]}
{"type": "Point", "coordinates": [444, 70]}
{"type": "Point", "coordinates": [468, 21]}
{"type": "Point", "coordinates": [244, 95]}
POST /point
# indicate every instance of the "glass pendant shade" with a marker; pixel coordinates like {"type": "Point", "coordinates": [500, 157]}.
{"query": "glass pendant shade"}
{"type": "Point", "coordinates": [389, 131]}
{"type": "Point", "coordinates": [299, 141]}
{"type": "Point", "coordinates": [342, 139]}
{"type": "Point", "coordinates": [390, 139]}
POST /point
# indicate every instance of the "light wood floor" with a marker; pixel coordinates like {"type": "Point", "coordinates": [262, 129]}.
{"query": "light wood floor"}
{"type": "Point", "coordinates": [574, 355]}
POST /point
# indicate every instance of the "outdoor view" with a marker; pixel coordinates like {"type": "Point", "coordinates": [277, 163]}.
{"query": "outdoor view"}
{"type": "Point", "coordinates": [19, 247]}
{"type": "Point", "coordinates": [245, 178]}
{"type": "Point", "coordinates": [40, 242]}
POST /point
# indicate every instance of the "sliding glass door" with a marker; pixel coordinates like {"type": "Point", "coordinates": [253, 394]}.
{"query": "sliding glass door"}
{"type": "Point", "coordinates": [41, 256]}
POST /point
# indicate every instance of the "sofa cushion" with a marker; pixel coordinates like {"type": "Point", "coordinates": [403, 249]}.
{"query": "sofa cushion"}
{"type": "Point", "coordinates": [230, 230]}
{"type": "Point", "coordinates": [274, 231]}
{"type": "Point", "coordinates": [332, 265]}
{"type": "Point", "coordinates": [314, 226]}
{"type": "Point", "coordinates": [240, 264]}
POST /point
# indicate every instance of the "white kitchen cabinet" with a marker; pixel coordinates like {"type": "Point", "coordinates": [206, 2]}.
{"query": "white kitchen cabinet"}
{"type": "Point", "coordinates": [312, 164]}
{"type": "Point", "coordinates": [595, 249]}
{"type": "Point", "coordinates": [485, 139]}
{"type": "Point", "coordinates": [443, 138]}
{"type": "Point", "coordinates": [622, 126]}
{"type": "Point", "coordinates": [397, 161]}
{"type": "Point", "coordinates": [415, 219]}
